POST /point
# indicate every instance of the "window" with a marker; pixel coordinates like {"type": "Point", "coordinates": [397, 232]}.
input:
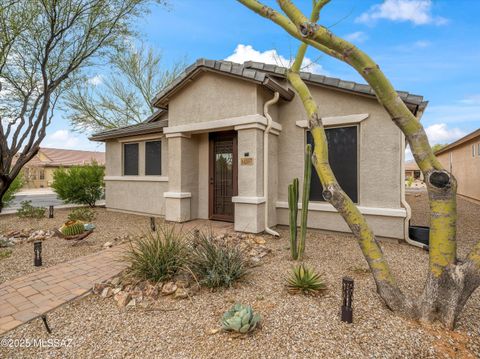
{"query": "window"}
{"type": "Point", "coordinates": [153, 158]}
{"type": "Point", "coordinates": [478, 150]}
{"type": "Point", "coordinates": [42, 173]}
{"type": "Point", "coordinates": [342, 152]}
{"type": "Point", "coordinates": [473, 150]}
{"type": "Point", "coordinates": [130, 159]}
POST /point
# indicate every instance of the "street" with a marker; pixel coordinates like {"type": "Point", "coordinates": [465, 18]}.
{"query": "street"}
{"type": "Point", "coordinates": [40, 198]}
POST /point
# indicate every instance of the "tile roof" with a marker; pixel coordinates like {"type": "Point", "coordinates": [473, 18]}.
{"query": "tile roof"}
{"type": "Point", "coordinates": [137, 129]}
{"type": "Point", "coordinates": [55, 157]}
{"type": "Point", "coordinates": [258, 72]}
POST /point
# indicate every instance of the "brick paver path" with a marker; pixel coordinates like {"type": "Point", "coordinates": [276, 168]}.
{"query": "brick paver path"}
{"type": "Point", "coordinates": [28, 297]}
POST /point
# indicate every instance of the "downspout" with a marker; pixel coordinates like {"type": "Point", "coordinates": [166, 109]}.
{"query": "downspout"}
{"type": "Point", "coordinates": [274, 100]}
{"type": "Point", "coordinates": [404, 201]}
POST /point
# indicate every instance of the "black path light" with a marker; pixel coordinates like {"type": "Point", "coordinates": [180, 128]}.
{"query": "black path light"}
{"type": "Point", "coordinates": [153, 227]}
{"type": "Point", "coordinates": [50, 211]}
{"type": "Point", "coordinates": [347, 296]}
{"type": "Point", "coordinates": [37, 250]}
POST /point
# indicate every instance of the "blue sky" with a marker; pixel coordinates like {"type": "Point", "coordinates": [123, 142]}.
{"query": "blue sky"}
{"type": "Point", "coordinates": [425, 47]}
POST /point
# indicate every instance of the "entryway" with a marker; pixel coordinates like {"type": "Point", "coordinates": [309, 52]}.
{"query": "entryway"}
{"type": "Point", "coordinates": [223, 173]}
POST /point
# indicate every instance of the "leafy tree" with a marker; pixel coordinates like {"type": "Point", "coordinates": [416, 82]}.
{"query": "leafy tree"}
{"type": "Point", "coordinates": [79, 184]}
{"type": "Point", "coordinates": [450, 281]}
{"type": "Point", "coordinates": [44, 44]}
{"type": "Point", "coordinates": [123, 96]}
{"type": "Point", "coordinates": [16, 185]}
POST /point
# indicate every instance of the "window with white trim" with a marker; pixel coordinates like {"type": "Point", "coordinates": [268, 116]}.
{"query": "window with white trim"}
{"type": "Point", "coordinates": [343, 157]}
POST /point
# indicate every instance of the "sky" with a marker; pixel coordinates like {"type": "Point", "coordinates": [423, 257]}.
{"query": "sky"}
{"type": "Point", "coordinates": [426, 47]}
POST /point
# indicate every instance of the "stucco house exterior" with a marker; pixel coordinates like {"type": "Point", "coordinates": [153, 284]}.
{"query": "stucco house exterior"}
{"type": "Point", "coordinates": [227, 139]}
{"type": "Point", "coordinates": [38, 172]}
{"type": "Point", "coordinates": [462, 159]}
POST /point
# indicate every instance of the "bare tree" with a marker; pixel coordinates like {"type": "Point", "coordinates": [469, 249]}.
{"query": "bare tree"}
{"type": "Point", "coordinates": [122, 96]}
{"type": "Point", "coordinates": [450, 281]}
{"type": "Point", "coordinates": [43, 44]}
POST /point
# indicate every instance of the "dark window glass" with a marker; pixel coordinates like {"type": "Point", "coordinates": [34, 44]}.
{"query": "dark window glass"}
{"type": "Point", "coordinates": [130, 159]}
{"type": "Point", "coordinates": [342, 153]}
{"type": "Point", "coordinates": [153, 158]}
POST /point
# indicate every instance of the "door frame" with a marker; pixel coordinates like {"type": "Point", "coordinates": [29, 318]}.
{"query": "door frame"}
{"type": "Point", "coordinates": [211, 172]}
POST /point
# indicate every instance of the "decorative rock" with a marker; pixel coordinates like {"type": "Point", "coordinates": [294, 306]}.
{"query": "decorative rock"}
{"type": "Point", "coordinates": [152, 291]}
{"type": "Point", "coordinates": [259, 240]}
{"type": "Point", "coordinates": [98, 287]}
{"type": "Point", "coordinates": [107, 245]}
{"type": "Point", "coordinates": [107, 292]}
{"type": "Point", "coordinates": [213, 331]}
{"type": "Point", "coordinates": [169, 288]}
{"type": "Point", "coordinates": [115, 281]}
{"type": "Point", "coordinates": [122, 299]}
{"type": "Point", "coordinates": [132, 303]}
{"type": "Point", "coordinates": [182, 283]}
{"type": "Point", "coordinates": [117, 290]}
{"type": "Point", "coordinates": [181, 293]}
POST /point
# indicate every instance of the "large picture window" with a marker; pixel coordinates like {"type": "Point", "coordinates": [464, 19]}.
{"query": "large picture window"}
{"type": "Point", "coordinates": [153, 158]}
{"type": "Point", "coordinates": [342, 153]}
{"type": "Point", "coordinates": [130, 159]}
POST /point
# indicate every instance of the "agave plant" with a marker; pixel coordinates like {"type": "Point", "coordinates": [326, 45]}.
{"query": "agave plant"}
{"type": "Point", "coordinates": [241, 319]}
{"type": "Point", "coordinates": [305, 280]}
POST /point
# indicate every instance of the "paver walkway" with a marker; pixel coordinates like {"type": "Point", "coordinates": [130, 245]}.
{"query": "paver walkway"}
{"type": "Point", "coordinates": [28, 297]}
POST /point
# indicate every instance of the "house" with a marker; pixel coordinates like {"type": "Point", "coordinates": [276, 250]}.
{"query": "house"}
{"type": "Point", "coordinates": [412, 170]}
{"type": "Point", "coordinates": [38, 172]}
{"type": "Point", "coordinates": [227, 139]}
{"type": "Point", "coordinates": [462, 159]}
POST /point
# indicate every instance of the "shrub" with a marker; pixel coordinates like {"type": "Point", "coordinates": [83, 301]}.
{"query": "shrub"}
{"type": "Point", "coordinates": [410, 181]}
{"type": "Point", "coordinates": [79, 184]}
{"type": "Point", "coordinates": [216, 264]}
{"type": "Point", "coordinates": [81, 214]}
{"type": "Point", "coordinates": [15, 186]}
{"type": "Point", "coordinates": [240, 319]}
{"type": "Point", "coordinates": [5, 253]}
{"type": "Point", "coordinates": [304, 280]}
{"type": "Point", "coordinates": [159, 255]}
{"type": "Point", "coordinates": [26, 210]}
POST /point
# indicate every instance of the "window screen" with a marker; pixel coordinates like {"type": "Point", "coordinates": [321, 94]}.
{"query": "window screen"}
{"type": "Point", "coordinates": [130, 159]}
{"type": "Point", "coordinates": [342, 153]}
{"type": "Point", "coordinates": [153, 158]}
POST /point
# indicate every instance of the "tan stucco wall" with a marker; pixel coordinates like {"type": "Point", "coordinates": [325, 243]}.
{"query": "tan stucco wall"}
{"type": "Point", "coordinates": [465, 167]}
{"type": "Point", "coordinates": [131, 194]}
{"type": "Point", "coordinates": [212, 97]}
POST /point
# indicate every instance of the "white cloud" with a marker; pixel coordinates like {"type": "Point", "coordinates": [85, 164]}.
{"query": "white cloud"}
{"type": "Point", "coordinates": [95, 80]}
{"type": "Point", "coordinates": [472, 100]}
{"type": "Point", "coordinates": [358, 37]}
{"type": "Point", "coordinates": [71, 141]}
{"type": "Point", "coordinates": [416, 11]}
{"type": "Point", "coordinates": [244, 53]}
{"type": "Point", "coordinates": [440, 133]}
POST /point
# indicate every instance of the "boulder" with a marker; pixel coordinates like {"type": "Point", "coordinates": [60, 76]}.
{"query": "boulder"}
{"type": "Point", "coordinates": [107, 292]}
{"type": "Point", "coordinates": [99, 287]}
{"type": "Point", "coordinates": [122, 299]}
{"type": "Point", "coordinates": [169, 288]}
{"type": "Point", "coordinates": [180, 293]}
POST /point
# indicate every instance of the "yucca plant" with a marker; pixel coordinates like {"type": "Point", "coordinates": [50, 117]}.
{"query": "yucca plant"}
{"type": "Point", "coordinates": [241, 319]}
{"type": "Point", "coordinates": [304, 280]}
{"type": "Point", "coordinates": [216, 264]}
{"type": "Point", "coordinates": [159, 255]}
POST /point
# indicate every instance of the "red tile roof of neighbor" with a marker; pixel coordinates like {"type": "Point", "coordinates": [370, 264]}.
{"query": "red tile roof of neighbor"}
{"type": "Point", "coordinates": [411, 166]}
{"type": "Point", "coordinates": [55, 157]}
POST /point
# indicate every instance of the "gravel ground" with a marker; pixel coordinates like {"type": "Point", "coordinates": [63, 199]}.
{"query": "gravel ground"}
{"type": "Point", "coordinates": [109, 225]}
{"type": "Point", "coordinates": [293, 326]}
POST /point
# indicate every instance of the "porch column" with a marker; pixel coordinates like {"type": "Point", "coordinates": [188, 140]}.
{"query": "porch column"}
{"type": "Point", "coordinates": [250, 201]}
{"type": "Point", "coordinates": [181, 166]}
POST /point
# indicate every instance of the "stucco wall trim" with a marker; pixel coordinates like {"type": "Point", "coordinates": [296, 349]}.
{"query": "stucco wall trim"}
{"type": "Point", "coordinates": [137, 178]}
{"type": "Point", "coordinates": [327, 207]}
{"type": "Point", "coordinates": [337, 120]}
{"type": "Point", "coordinates": [218, 124]}
{"type": "Point", "coordinates": [157, 136]}
{"type": "Point", "coordinates": [252, 200]}
{"type": "Point", "coordinates": [177, 194]}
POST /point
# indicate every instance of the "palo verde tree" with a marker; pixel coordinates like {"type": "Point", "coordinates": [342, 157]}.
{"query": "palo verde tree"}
{"type": "Point", "coordinates": [450, 280]}
{"type": "Point", "coordinates": [44, 44]}
{"type": "Point", "coordinates": [123, 95]}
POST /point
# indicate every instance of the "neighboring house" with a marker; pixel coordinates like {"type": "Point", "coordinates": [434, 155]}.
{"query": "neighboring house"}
{"type": "Point", "coordinates": [412, 170]}
{"type": "Point", "coordinates": [204, 154]}
{"type": "Point", "coordinates": [38, 172]}
{"type": "Point", "coordinates": [462, 159]}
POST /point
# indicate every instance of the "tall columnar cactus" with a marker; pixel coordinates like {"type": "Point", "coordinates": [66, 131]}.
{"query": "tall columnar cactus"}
{"type": "Point", "coordinates": [293, 209]}
{"type": "Point", "coordinates": [307, 174]}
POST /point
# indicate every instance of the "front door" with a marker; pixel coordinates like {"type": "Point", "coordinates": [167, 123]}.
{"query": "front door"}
{"type": "Point", "coordinates": [223, 175]}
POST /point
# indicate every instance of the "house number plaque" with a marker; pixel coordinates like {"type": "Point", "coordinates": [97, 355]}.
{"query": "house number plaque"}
{"type": "Point", "coordinates": [246, 161]}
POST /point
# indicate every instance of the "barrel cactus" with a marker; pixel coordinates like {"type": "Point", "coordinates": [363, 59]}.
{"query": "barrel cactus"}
{"type": "Point", "coordinates": [241, 319]}
{"type": "Point", "coordinates": [72, 228]}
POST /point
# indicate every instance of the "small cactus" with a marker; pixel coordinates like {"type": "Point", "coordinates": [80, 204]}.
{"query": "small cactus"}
{"type": "Point", "coordinates": [241, 319]}
{"type": "Point", "coordinates": [305, 280]}
{"type": "Point", "coordinates": [72, 228]}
